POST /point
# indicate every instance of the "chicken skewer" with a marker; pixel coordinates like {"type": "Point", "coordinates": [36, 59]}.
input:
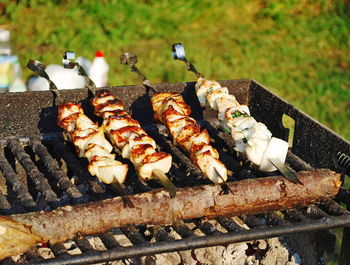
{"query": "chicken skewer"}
{"type": "Point", "coordinates": [134, 143]}
{"type": "Point", "coordinates": [144, 157]}
{"type": "Point", "coordinates": [127, 135]}
{"type": "Point", "coordinates": [171, 110]}
{"type": "Point", "coordinates": [90, 142]}
{"type": "Point", "coordinates": [87, 138]}
{"type": "Point", "coordinates": [253, 139]}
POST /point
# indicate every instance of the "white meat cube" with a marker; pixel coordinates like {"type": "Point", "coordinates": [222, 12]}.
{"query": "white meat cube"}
{"type": "Point", "coordinates": [276, 149]}
{"type": "Point", "coordinates": [158, 160]}
{"type": "Point", "coordinates": [210, 165]}
{"type": "Point", "coordinates": [201, 137]}
{"type": "Point", "coordinates": [214, 95]}
{"type": "Point", "coordinates": [139, 152]}
{"type": "Point", "coordinates": [136, 139]}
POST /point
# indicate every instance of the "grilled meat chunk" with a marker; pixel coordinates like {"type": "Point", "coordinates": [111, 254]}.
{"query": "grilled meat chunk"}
{"type": "Point", "coordinates": [127, 135]}
{"type": "Point", "coordinates": [170, 109]}
{"type": "Point", "coordinates": [251, 138]}
{"type": "Point", "coordinates": [90, 142]}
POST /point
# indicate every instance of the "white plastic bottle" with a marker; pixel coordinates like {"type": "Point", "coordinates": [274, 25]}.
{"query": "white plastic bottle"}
{"type": "Point", "coordinates": [10, 69]}
{"type": "Point", "coordinates": [98, 71]}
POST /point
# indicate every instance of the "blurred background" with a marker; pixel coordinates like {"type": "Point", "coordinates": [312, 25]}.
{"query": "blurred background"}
{"type": "Point", "coordinates": [299, 49]}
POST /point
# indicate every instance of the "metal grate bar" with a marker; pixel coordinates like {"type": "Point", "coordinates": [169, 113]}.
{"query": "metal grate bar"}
{"type": "Point", "coordinates": [73, 162]}
{"type": "Point", "coordinates": [253, 222]}
{"type": "Point", "coordinates": [109, 240]}
{"type": "Point", "coordinates": [160, 234]}
{"type": "Point", "coordinates": [333, 208]}
{"type": "Point", "coordinates": [62, 180]}
{"type": "Point", "coordinates": [33, 256]}
{"type": "Point", "coordinates": [183, 230]}
{"type": "Point", "coordinates": [17, 186]}
{"type": "Point", "coordinates": [83, 244]}
{"type": "Point", "coordinates": [5, 206]}
{"type": "Point", "coordinates": [133, 235]}
{"type": "Point", "coordinates": [40, 182]}
{"type": "Point", "coordinates": [229, 224]}
{"type": "Point", "coordinates": [314, 212]}
{"type": "Point", "coordinates": [208, 229]}
{"type": "Point", "coordinates": [58, 249]}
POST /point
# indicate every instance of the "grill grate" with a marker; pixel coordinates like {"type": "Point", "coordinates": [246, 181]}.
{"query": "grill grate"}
{"type": "Point", "coordinates": [42, 174]}
{"type": "Point", "coordinates": [59, 162]}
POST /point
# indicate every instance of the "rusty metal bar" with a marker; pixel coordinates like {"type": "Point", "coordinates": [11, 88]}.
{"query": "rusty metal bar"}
{"type": "Point", "coordinates": [62, 180]}
{"type": "Point", "coordinates": [11, 177]}
{"type": "Point", "coordinates": [229, 224]}
{"type": "Point", "coordinates": [109, 241]}
{"type": "Point", "coordinates": [40, 182]}
{"type": "Point", "coordinates": [58, 250]}
{"type": "Point", "coordinates": [83, 244]}
{"type": "Point", "coordinates": [183, 230]}
{"type": "Point", "coordinates": [73, 162]}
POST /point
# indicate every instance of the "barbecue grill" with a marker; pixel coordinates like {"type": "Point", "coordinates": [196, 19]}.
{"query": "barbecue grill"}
{"type": "Point", "coordinates": [41, 172]}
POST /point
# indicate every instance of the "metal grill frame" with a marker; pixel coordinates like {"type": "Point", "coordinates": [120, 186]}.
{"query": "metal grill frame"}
{"type": "Point", "coordinates": [314, 146]}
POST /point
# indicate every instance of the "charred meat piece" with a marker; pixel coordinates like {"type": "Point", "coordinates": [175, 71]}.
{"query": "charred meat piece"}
{"type": "Point", "coordinates": [127, 135]}
{"type": "Point", "coordinates": [171, 109]}
{"type": "Point", "coordinates": [90, 142]}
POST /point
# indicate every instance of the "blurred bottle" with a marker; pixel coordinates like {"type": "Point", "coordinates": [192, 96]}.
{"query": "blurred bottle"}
{"type": "Point", "coordinates": [10, 69]}
{"type": "Point", "coordinates": [63, 79]}
{"type": "Point", "coordinates": [5, 44]}
{"type": "Point", "coordinates": [85, 63]}
{"type": "Point", "coordinates": [98, 71]}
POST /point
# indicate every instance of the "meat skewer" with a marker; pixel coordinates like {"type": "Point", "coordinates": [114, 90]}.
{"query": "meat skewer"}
{"type": "Point", "coordinates": [171, 110]}
{"type": "Point", "coordinates": [253, 139]}
{"type": "Point", "coordinates": [127, 135]}
{"type": "Point", "coordinates": [134, 143]}
{"type": "Point", "coordinates": [90, 142]}
{"type": "Point", "coordinates": [88, 139]}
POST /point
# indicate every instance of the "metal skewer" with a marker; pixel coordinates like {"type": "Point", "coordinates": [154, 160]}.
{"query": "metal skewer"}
{"type": "Point", "coordinates": [121, 189]}
{"type": "Point", "coordinates": [39, 68]}
{"type": "Point", "coordinates": [179, 54]}
{"type": "Point", "coordinates": [90, 85]}
{"type": "Point", "coordinates": [224, 183]}
{"type": "Point", "coordinates": [130, 59]}
{"type": "Point", "coordinates": [67, 63]}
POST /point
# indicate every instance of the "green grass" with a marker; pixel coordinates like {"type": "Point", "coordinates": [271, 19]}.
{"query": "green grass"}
{"type": "Point", "coordinates": [298, 49]}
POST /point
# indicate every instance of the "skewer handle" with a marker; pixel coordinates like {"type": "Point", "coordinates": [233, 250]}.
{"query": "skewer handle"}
{"type": "Point", "coordinates": [179, 54]}
{"type": "Point", "coordinates": [130, 59]}
{"type": "Point", "coordinates": [66, 60]}
{"type": "Point", "coordinates": [39, 68]}
{"type": "Point", "coordinates": [166, 182]}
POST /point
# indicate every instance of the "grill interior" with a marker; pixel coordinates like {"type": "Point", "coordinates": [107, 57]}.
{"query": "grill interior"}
{"type": "Point", "coordinates": [39, 171]}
